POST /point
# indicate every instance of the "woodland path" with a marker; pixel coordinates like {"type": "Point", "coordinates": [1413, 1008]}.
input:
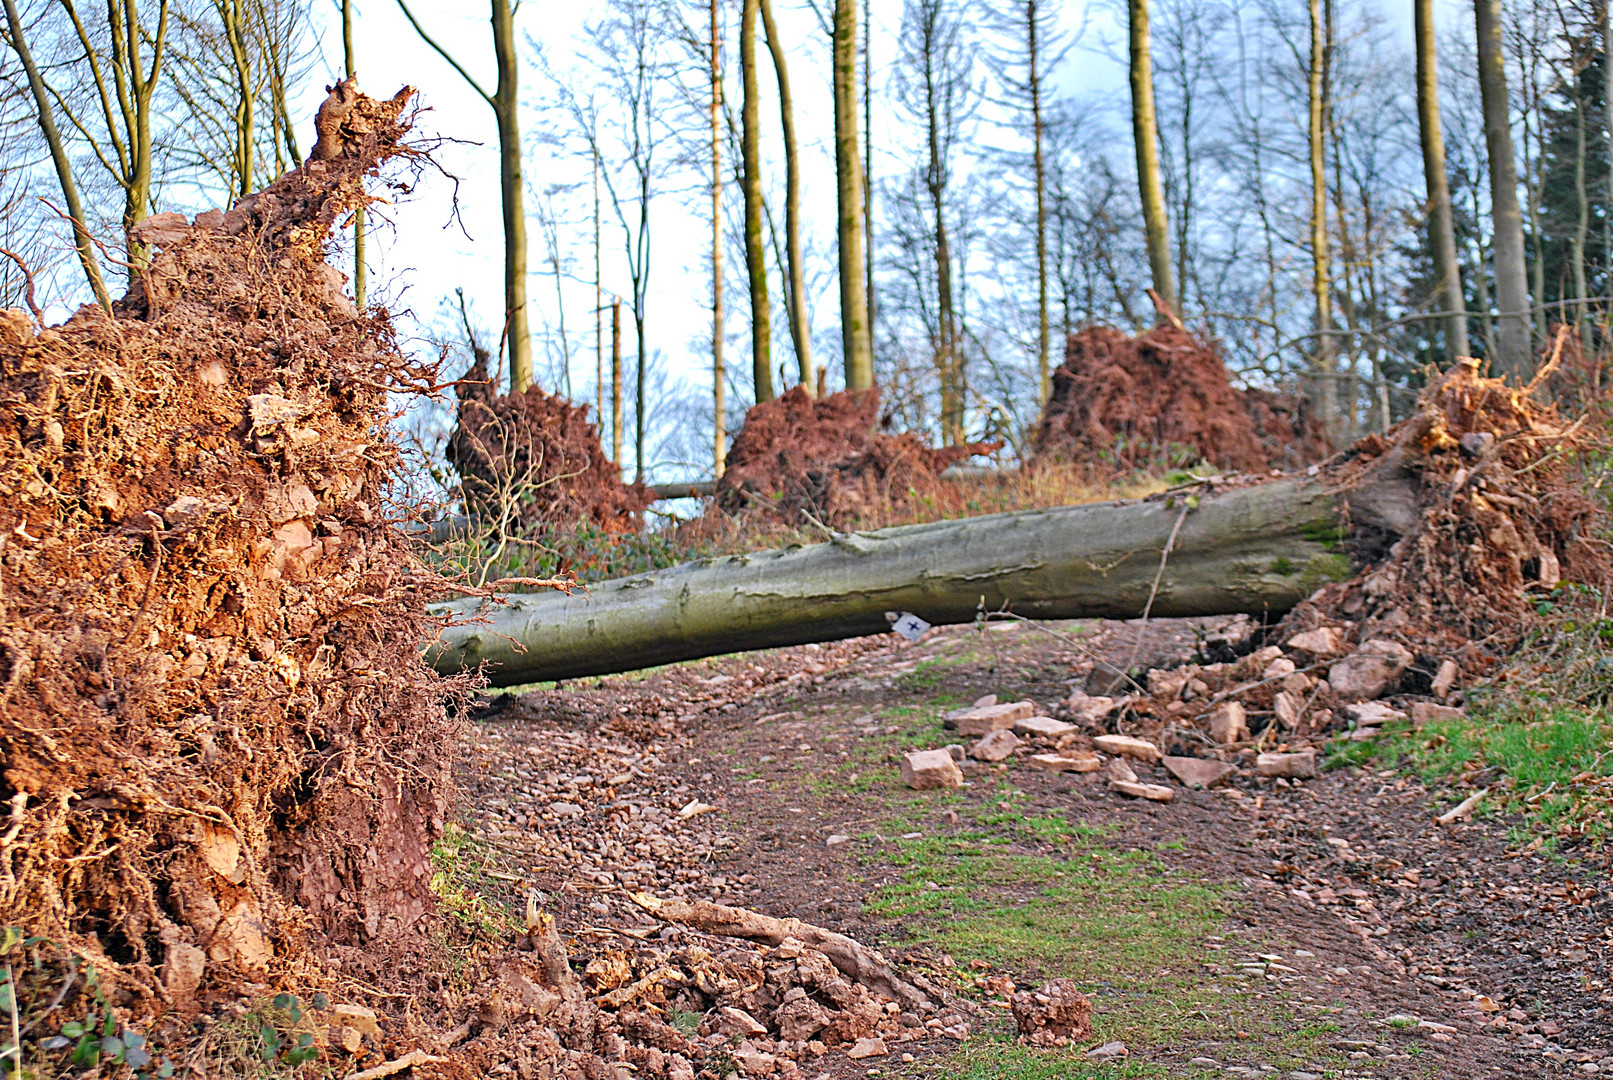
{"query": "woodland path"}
{"type": "Point", "coordinates": [1306, 930]}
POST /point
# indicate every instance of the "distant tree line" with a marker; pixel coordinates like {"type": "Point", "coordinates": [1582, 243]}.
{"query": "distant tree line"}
{"type": "Point", "coordinates": [1340, 212]}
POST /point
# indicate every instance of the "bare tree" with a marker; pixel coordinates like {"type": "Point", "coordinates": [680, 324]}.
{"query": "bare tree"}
{"type": "Point", "coordinates": [855, 338]}
{"type": "Point", "coordinates": [761, 314]}
{"type": "Point", "coordinates": [1145, 136]}
{"type": "Point", "coordinates": [1441, 223]}
{"type": "Point", "coordinates": [719, 458]}
{"type": "Point", "coordinates": [504, 100]}
{"type": "Point", "coordinates": [795, 275]}
{"type": "Point", "coordinates": [1511, 280]}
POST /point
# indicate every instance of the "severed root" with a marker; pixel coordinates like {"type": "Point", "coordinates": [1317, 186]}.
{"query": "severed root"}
{"type": "Point", "coordinates": [407, 1061]}
{"type": "Point", "coordinates": [854, 960]}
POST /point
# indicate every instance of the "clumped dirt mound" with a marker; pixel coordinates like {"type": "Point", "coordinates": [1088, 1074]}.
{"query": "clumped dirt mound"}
{"type": "Point", "coordinates": [797, 456]}
{"type": "Point", "coordinates": [1164, 399]}
{"type": "Point", "coordinates": [533, 457]}
{"type": "Point", "coordinates": [219, 744]}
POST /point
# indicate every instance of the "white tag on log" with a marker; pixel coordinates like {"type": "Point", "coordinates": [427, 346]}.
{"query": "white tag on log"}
{"type": "Point", "coordinates": [910, 626]}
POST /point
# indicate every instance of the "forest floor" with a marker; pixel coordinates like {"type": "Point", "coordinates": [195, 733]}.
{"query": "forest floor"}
{"type": "Point", "coordinates": [1328, 928]}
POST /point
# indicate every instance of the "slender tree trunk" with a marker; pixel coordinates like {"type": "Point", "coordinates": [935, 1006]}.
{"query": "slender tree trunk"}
{"type": "Point", "coordinates": [1441, 224]}
{"type": "Point", "coordinates": [1511, 282]}
{"type": "Point", "coordinates": [1582, 223]}
{"type": "Point", "coordinates": [719, 382]}
{"type": "Point", "coordinates": [616, 382]}
{"type": "Point", "coordinates": [1322, 365]}
{"type": "Point", "coordinates": [361, 272]}
{"type": "Point", "coordinates": [945, 332]}
{"type": "Point", "coordinates": [506, 108]}
{"type": "Point", "coordinates": [795, 279]}
{"type": "Point", "coordinates": [229, 14]}
{"type": "Point", "coordinates": [1607, 125]}
{"type": "Point", "coordinates": [599, 315]}
{"type": "Point", "coordinates": [1145, 136]}
{"type": "Point", "coordinates": [868, 172]}
{"type": "Point", "coordinates": [855, 337]}
{"type": "Point", "coordinates": [761, 315]}
{"type": "Point", "coordinates": [45, 115]}
{"type": "Point", "coordinates": [1033, 51]}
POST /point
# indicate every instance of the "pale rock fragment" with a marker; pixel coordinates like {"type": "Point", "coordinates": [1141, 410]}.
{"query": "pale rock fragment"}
{"type": "Point", "coordinates": [989, 718]}
{"type": "Point", "coordinates": [1324, 641]}
{"type": "Point", "coordinates": [1370, 713]}
{"type": "Point", "coordinates": [1066, 761]}
{"type": "Point", "coordinates": [1296, 766]}
{"type": "Point", "coordinates": [1424, 713]}
{"type": "Point", "coordinates": [995, 746]}
{"type": "Point", "coordinates": [867, 1048]}
{"type": "Point", "coordinates": [1043, 727]}
{"type": "Point", "coordinates": [1229, 723]}
{"type": "Point", "coordinates": [1197, 772]}
{"type": "Point", "coordinates": [1445, 679]}
{"type": "Point", "coordinates": [1151, 792]}
{"type": "Point", "coordinates": [1278, 668]}
{"type": "Point", "coordinates": [1369, 671]}
{"type": "Point", "coordinates": [1287, 707]}
{"type": "Point", "coordinates": [1127, 746]}
{"type": "Point", "coordinates": [926, 769]}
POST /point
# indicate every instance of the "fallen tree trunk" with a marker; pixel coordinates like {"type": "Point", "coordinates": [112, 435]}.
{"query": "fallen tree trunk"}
{"type": "Point", "coordinates": [1258, 549]}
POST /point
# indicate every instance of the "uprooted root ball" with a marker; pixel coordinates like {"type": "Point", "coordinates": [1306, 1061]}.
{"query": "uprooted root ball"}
{"type": "Point", "coordinates": [219, 743]}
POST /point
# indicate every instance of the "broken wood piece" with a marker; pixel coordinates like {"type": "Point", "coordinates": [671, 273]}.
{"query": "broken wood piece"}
{"type": "Point", "coordinates": [391, 1068]}
{"type": "Point", "coordinates": [853, 959]}
{"type": "Point", "coordinates": [1464, 809]}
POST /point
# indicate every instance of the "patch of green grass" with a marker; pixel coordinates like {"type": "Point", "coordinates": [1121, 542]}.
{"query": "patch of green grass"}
{"type": "Point", "coordinates": [928, 675]}
{"type": "Point", "coordinates": [1088, 913]}
{"type": "Point", "coordinates": [1001, 1058]}
{"type": "Point", "coordinates": [459, 876]}
{"type": "Point", "coordinates": [1551, 755]}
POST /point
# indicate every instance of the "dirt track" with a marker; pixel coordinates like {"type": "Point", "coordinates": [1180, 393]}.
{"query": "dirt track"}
{"type": "Point", "coordinates": [1269, 931]}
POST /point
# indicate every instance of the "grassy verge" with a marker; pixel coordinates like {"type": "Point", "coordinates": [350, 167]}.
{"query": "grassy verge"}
{"type": "Point", "coordinates": [1540, 736]}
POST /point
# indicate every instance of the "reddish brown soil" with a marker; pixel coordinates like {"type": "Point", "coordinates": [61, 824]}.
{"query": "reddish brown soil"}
{"type": "Point", "coordinates": [1164, 399]}
{"type": "Point", "coordinates": [1402, 917]}
{"type": "Point", "coordinates": [798, 458]}
{"type": "Point", "coordinates": [534, 458]}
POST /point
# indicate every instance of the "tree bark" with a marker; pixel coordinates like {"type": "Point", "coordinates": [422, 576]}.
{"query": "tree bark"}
{"type": "Point", "coordinates": [1511, 277]}
{"type": "Point", "coordinates": [855, 339]}
{"type": "Point", "coordinates": [750, 152]}
{"type": "Point", "coordinates": [1441, 223]}
{"type": "Point", "coordinates": [1322, 366]}
{"type": "Point", "coordinates": [868, 175]}
{"type": "Point", "coordinates": [507, 108]}
{"type": "Point", "coordinates": [1256, 549]}
{"type": "Point", "coordinates": [795, 279]}
{"type": "Point", "coordinates": [616, 382]}
{"type": "Point", "coordinates": [1145, 136]}
{"type": "Point", "coordinates": [1039, 167]}
{"type": "Point", "coordinates": [719, 374]}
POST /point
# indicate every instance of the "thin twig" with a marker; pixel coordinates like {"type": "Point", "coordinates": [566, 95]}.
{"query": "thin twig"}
{"type": "Point", "coordinates": [28, 277]}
